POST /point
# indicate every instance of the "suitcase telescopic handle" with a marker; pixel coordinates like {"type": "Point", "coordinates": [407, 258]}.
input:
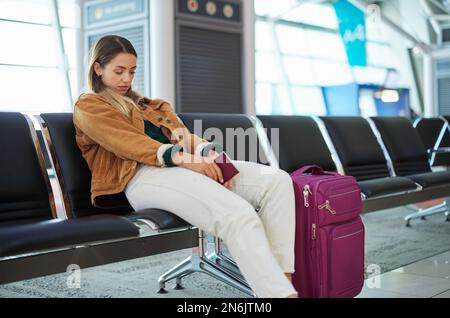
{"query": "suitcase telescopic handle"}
{"type": "Point", "coordinates": [314, 170]}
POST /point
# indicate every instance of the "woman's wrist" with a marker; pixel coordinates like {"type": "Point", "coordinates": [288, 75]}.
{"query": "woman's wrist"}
{"type": "Point", "coordinates": [180, 159]}
{"type": "Point", "coordinates": [177, 158]}
{"type": "Point", "coordinates": [169, 153]}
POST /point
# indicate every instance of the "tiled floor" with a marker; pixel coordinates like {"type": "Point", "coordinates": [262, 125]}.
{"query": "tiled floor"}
{"type": "Point", "coordinates": [428, 278]}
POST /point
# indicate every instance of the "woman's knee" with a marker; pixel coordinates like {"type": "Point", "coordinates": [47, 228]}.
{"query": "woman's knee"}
{"type": "Point", "coordinates": [280, 179]}
{"type": "Point", "coordinates": [283, 175]}
{"type": "Point", "coordinates": [240, 224]}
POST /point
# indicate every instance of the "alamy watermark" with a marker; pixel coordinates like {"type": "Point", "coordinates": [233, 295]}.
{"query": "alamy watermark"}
{"type": "Point", "coordinates": [373, 280]}
{"type": "Point", "coordinates": [74, 278]}
{"type": "Point", "coordinates": [249, 144]}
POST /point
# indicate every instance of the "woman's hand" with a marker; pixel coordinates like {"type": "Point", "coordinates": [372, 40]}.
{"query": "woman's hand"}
{"type": "Point", "coordinates": [229, 184]}
{"type": "Point", "coordinates": [203, 165]}
{"type": "Point", "coordinates": [213, 155]}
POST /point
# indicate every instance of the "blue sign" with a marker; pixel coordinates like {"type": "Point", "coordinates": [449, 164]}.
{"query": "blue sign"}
{"type": "Point", "coordinates": [342, 100]}
{"type": "Point", "coordinates": [352, 26]}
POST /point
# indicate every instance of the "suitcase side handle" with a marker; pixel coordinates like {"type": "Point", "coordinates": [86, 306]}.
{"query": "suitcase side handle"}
{"type": "Point", "coordinates": [316, 170]}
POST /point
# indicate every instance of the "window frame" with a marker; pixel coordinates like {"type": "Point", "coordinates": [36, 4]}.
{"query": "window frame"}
{"type": "Point", "coordinates": [71, 87]}
{"type": "Point", "coordinates": [306, 28]}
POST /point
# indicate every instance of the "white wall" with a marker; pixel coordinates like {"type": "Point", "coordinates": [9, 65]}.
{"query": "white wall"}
{"type": "Point", "coordinates": [82, 56]}
{"type": "Point", "coordinates": [249, 57]}
{"type": "Point", "coordinates": [162, 30]}
{"type": "Point", "coordinates": [412, 20]}
{"type": "Point", "coordinates": [162, 43]}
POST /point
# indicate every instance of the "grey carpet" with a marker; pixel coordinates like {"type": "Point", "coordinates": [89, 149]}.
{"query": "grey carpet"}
{"type": "Point", "coordinates": [388, 243]}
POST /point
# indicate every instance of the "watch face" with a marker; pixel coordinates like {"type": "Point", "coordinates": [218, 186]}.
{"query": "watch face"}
{"type": "Point", "coordinates": [211, 8]}
{"type": "Point", "coordinates": [228, 11]}
{"type": "Point", "coordinates": [193, 5]}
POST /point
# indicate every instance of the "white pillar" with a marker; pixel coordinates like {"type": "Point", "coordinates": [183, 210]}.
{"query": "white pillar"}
{"type": "Point", "coordinates": [82, 56]}
{"type": "Point", "coordinates": [429, 99]}
{"type": "Point", "coordinates": [248, 18]}
{"type": "Point", "coordinates": [162, 43]}
{"type": "Point", "coordinates": [62, 56]}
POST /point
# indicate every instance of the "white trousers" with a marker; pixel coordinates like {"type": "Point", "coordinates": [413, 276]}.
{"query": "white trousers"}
{"type": "Point", "coordinates": [256, 219]}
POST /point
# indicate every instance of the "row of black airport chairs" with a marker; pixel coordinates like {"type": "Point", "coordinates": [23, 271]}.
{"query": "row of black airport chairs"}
{"type": "Point", "coordinates": [386, 156]}
{"type": "Point", "coordinates": [435, 134]}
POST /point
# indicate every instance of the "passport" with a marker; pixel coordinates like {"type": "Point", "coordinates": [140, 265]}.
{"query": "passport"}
{"type": "Point", "coordinates": [228, 169]}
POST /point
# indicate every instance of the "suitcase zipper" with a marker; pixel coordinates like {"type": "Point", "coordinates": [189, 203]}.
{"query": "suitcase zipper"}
{"type": "Point", "coordinates": [348, 235]}
{"type": "Point", "coordinates": [345, 193]}
{"type": "Point", "coordinates": [327, 205]}
{"type": "Point", "coordinates": [306, 193]}
{"type": "Point", "coordinates": [314, 232]}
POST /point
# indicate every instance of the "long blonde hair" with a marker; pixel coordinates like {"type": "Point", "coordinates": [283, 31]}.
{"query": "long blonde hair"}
{"type": "Point", "coordinates": [106, 49]}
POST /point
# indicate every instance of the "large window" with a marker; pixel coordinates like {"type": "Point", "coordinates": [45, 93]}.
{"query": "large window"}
{"type": "Point", "coordinates": [34, 64]}
{"type": "Point", "coordinates": [299, 50]}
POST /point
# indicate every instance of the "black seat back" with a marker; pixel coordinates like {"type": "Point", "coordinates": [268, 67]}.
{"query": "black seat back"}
{"type": "Point", "coordinates": [406, 148]}
{"type": "Point", "coordinates": [359, 151]}
{"type": "Point", "coordinates": [72, 170]}
{"type": "Point", "coordinates": [300, 142]}
{"type": "Point", "coordinates": [443, 159]}
{"type": "Point", "coordinates": [429, 130]}
{"type": "Point", "coordinates": [25, 191]}
{"type": "Point", "coordinates": [235, 132]}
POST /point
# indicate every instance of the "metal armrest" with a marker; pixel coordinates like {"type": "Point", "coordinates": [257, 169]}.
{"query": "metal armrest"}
{"type": "Point", "coordinates": [439, 150]}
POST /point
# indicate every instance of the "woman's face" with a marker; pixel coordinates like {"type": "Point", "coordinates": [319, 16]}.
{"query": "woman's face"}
{"type": "Point", "coordinates": [118, 74]}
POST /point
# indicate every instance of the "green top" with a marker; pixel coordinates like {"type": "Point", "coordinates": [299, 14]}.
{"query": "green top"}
{"type": "Point", "coordinates": [156, 133]}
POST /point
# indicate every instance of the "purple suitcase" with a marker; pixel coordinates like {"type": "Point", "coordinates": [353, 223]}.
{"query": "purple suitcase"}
{"type": "Point", "coordinates": [329, 244]}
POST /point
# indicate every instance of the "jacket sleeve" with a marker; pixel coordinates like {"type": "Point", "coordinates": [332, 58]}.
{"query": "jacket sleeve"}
{"type": "Point", "coordinates": [194, 144]}
{"type": "Point", "coordinates": [114, 132]}
{"type": "Point", "coordinates": [201, 147]}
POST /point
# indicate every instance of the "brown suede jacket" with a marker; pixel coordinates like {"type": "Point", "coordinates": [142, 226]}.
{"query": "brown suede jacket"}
{"type": "Point", "coordinates": [113, 144]}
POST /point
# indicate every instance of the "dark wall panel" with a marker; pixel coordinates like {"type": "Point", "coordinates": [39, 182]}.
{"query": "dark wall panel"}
{"type": "Point", "coordinates": [209, 71]}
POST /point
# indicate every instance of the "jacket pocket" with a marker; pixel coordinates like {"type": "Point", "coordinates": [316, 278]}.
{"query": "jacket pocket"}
{"type": "Point", "coordinates": [340, 207]}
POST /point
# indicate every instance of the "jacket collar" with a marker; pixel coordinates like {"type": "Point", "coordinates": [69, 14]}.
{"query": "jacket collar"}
{"type": "Point", "coordinates": [144, 100]}
{"type": "Point", "coordinates": [153, 103]}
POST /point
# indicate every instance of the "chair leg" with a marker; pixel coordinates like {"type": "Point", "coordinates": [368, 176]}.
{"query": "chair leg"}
{"type": "Point", "coordinates": [422, 214]}
{"type": "Point", "coordinates": [225, 277]}
{"type": "Point", "coordinates": [223, 260]}
{"type": "Point", "coordinates": [194, 264]}
{"type": "Point", "coordinates": [179, 271]}
{"type": "Point", "coordinates": [206, 263]}
{"type": "Point", "coordinates": [224, 264]}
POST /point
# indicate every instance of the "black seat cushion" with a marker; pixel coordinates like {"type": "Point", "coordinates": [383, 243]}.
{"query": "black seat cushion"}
{"type": "Point", "coordinates": [432, 179]}
{"type": "Point", "coordinates": [162, 219]}
{"type": "Point", "coordinates": [300, 142]}
{"type": "Point", "coordinates": [386, 186]}
{"type": "Point", "coordinates": [35, 237]}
